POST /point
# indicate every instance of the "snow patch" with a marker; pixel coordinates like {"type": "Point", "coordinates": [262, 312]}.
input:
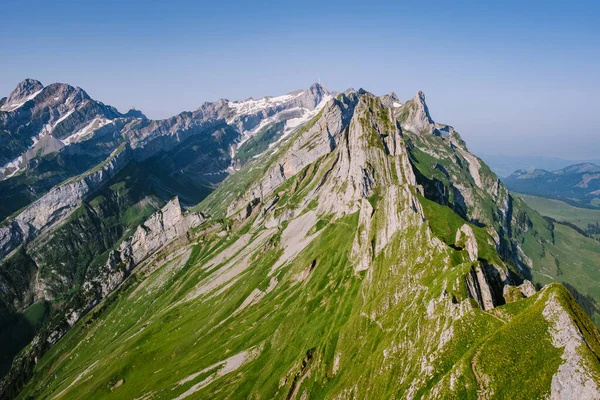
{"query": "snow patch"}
{"type": "Point", "coordinates": [96, 124]}
{"type": "Point", "coordinates": [251, 106]}
{"type": "Point", "coordinates": [16, 164]}
{"type": "Point", "coordinates": [14, 106]}
{"type": "Point", "coordinates": [293, 123]}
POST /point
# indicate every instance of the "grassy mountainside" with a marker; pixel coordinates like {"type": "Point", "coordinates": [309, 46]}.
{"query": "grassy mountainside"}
{"type": "Point", "coordinates": [573, 259]}
{"type": "Point", "coordinates": [305, 336]}
{"type": "Point", "coordinates": [44, 173]}
{"type": "Point", "coordinates": [54, 265]}
{"type": "Point", "coordinates": [337, 279]}
{"type": "Point", "coordinates": [588, 220]}
{"type": "Point", "coordinates": [536, 248]}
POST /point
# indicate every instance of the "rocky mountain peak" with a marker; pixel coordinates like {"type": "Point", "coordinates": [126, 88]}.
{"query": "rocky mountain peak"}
{"type": "Point", "coordinates": [135, 113]}
{"type": "Point", "coordinates": [391, 100]}
{"type": "Point", "coordinates": [340, 222]}
{"type": "Point", "coordinates": [415, 115]}
{"type": "Point", "coordinates": [25, 90]}
{"type": "Point", "coordinates": [313, 96]}
{"type": "Point", "coordinates": [65, 90]}
{"type": "Point", "coordinates": [318, 88]}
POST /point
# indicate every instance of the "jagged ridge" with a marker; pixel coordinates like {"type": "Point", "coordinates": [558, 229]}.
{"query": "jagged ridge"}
{"type": "Point", "coordinates": [329, 278]}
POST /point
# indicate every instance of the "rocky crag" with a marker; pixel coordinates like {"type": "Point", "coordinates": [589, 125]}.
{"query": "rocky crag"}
{"type": "Point", "coordinates": [364, 253]}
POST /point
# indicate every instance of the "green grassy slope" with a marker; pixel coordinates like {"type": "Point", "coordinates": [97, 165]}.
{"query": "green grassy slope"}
{"type": "Point", "coordinates": [561, 211]}
{"type": "Point", "coordinates": [572, 259]}
{"type": "Point", "coordinates": [237, 313]}
{"type": "Point", "coordinates": [540, 250]}
{"type": "Point", "coordinates": [17, 330]}
{"type": "Point", "coordinates": [146, 342]}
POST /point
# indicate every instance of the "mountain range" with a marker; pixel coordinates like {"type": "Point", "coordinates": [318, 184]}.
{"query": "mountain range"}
{"type": "Point", "coordinates": [577, 184]}
{"type": "Point", "coordinates": [505, 164]}
{"type": "Point", "coordinates": [309, 245]}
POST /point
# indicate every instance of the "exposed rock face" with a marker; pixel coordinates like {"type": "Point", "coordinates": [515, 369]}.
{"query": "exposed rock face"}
{"type": "Point", "coordinates": [163, 227]}
{"type": "Point", "coordinates": [417, 118]}
{"type": "Point", "coordinates": [24, 91]}
{"type": "Point", "coordinates": [362, 251]}
{"type": "Point", "coordinates": [363, 153]}
{"type": "Point", "coordinates": [247, 115]}
{"type": "Point", "coordinates": [478, 287]}
{"type": "Point", "coordinates": [527, 288]}
{"type": "Point", "coordinates": [34, 112]}
{"type": "Point", "coordinates": [61, 119]}
{"type": "Point", "coordinates": [514, 293]}
{"type": "Point", "coordinates": [450, 175]}
{"type": "Point", "coordinates": [149, 137]}
{"type": "Point", "coordinates": [466, 238]}
{"type": "Point", "coordinates": [316, 140]}
{"type": "Point", "coordinates": [391, 100]}
{"type": "Point", "coordinates": [58, 203]}
{"type": "Point", "coordinates": [330, 239]}
{"type": "Point", "coordinates": [574, 379]}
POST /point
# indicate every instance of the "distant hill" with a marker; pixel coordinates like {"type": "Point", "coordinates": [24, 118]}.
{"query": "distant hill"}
{"type": "Point", "coordinates": [504, 165]}
{"type": "Point", "coordinates": [577, 184]}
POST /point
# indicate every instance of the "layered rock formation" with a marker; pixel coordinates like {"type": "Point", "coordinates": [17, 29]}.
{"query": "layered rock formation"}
{"type": "Point", "coordinates": [370, 236]}
{"type": "Point", "coordinates": [49, 210]}
{"type": "Point", "coordinates": [165, 226]}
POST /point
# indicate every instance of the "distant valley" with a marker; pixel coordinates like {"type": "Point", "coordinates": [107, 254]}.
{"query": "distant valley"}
{"type": "Point", "coordinates": [313, 244]}
{"type": "Point", "coordinates": [578, 185]}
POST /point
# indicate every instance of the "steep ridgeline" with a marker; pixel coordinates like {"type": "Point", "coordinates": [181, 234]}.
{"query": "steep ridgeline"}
{"type": "Point", "coordinates": [165, 227]}
{"type": "Point", "coordinates": [49, 134]}
{"type": "Point", "coordinates": [78, 176]}
{"type": "Point", "coordinates": [344, 264]}
{"type": "Point", "coordinates": [185, 155]}
{"type": "Point", "coordinates": [451, 176]}
{"type": "Point", "coordinates": [578, 184]}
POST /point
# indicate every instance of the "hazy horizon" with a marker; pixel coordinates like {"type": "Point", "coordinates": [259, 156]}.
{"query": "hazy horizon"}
{"type": "Point", "coordinates": [512, 79]}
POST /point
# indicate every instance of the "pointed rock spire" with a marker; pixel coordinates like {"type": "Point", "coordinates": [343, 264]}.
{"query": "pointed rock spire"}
{"type": "Point", "coordinates": [313, 95]}
{"type": "Point", "coordinates": [24, 91]}
{"type": "Point", "coordinates": [391, 100]}
{"type": "Point", "coordinates": [417, 119]}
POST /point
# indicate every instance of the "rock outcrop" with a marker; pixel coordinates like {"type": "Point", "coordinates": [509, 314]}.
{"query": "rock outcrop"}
{"type": "Point", "coordinates": [332, 239]}
{"type": "Point", "coordinates": [415, 115]}
{"type": "Point", "coordinates": [478, 287]}
{"type": "Point", "coordinates": [53, 207]}
{"type": "Point", "coordinates": [33, 112]}
{"type": "Point", "coordinates": [466, 238]}
{"type": "Point", "coordinates": [162, 228]}
{"type": "Point", "coordinates": [575, 376]}
{"type": "Point", "coordinates": [24, 92]}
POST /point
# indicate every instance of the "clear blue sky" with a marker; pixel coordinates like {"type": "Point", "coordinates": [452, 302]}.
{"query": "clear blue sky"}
{"type": "Point", "coordinates": [514, 77]}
